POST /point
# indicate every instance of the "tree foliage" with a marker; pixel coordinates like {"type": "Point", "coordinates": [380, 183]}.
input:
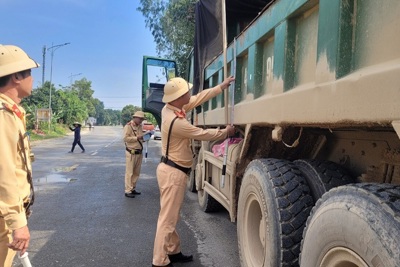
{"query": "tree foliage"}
{"type": "Point", "coordinates": [83, 88]}
{"type": "Point", "coordinates": [171, 23]}
{"type": "Point", "coordinates": [127, 112]}
{"type": "Point", "coordinates": [69, 104]}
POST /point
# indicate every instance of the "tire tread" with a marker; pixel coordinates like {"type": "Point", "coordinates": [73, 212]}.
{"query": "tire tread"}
{"type": "Point", "coordinates": [294, 202]}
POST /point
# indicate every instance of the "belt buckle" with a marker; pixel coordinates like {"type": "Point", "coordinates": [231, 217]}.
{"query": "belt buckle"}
{"type": "Point", "coordinates": [164, 159]}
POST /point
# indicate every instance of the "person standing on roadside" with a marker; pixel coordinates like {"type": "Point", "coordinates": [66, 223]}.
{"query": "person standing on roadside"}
{"type": "Point", "coordinates": [133, 138]}
{"type": "Point", "coordinates": [16, 188]}
{"type": "Point", "coordinates": [77, 137]}
{"type": "Point", "coordinates": [176, 162]}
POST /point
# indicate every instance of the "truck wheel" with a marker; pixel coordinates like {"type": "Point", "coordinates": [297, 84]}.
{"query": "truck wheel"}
{"type": "Point", "coordinates": [207, 203]}
{"type": "Point", "coordinates": [274, 203]}
{"type": "Point", "coordinates": [354, 225]}
{"type": "Point", "coordinates": [323, 176]}
{"type": "Point", "coordinates": [191, 183]}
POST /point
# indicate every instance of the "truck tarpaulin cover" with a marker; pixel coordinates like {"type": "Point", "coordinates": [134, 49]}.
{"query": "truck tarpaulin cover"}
{"type": "Point", "coordinates": [208, 33]}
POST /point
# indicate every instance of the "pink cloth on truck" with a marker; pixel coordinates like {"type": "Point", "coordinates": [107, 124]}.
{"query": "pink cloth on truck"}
{"type": "Point", "coordinates": [219, 149]}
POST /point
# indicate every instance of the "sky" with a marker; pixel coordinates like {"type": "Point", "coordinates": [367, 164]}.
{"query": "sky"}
{"type": "Point", "coordinates": [108, 40]}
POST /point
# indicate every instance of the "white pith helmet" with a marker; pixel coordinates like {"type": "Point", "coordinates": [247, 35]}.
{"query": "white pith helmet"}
{"type": "Point", "coordinates": [13, 59]}
{"type": "Point", "coordinates": [138, 114]}
{"type": "Point", "coordinates": [175, 88]}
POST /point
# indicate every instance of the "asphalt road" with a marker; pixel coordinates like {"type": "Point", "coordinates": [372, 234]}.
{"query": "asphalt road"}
{"type": "Point", "coordinates": [81, 217]}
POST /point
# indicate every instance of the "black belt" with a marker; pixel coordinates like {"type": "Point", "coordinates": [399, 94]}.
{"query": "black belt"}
{"type": "Point", "coordinates": [134, 151]}
{"type": "Point", "coordinates": [173, 164]}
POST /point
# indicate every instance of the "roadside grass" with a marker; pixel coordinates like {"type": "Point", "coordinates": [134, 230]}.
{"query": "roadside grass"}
{"type": "Point", "coordinates": [56, 130]}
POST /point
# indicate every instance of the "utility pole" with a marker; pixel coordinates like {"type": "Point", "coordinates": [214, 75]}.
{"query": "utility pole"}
{"type": "Point", "coordinates": [73, 75]}
{"type": "Point", "coordinates": [52, 48]}
{"type": "Point", "coordinates": [44, 64]}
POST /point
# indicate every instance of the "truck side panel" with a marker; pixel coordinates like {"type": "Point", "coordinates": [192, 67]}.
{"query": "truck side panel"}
{"type": "Point", "coordinates": [333, 57]}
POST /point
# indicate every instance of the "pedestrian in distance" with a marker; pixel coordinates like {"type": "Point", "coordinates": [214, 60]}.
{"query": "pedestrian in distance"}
{"type": "Point", "coordinates": [133, 138]}
{"type": "Point", "coordinates": [77, 137]}
{"type": "Point", "coordinates": [176, 162]}
{"type": "Point", "coordinates": [16, 188]}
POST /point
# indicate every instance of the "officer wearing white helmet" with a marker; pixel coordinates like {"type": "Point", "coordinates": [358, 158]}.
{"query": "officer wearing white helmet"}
{"type": "Point", "coordinates": [16, 189]}
{"type": "Point", "coordinates": [133, 138]}
{"type": "Point", "coordinates": [176, 162]}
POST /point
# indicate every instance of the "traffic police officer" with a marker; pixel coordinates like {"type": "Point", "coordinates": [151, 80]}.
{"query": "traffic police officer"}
{"type": "Point", "coordinates": [16, 189]}
{"type": "Point", "coordinates": [177, 160]}
{"type": "Point", "coordinates": [133, 138]}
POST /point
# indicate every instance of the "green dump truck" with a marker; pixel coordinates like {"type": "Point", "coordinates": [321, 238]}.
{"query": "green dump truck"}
{"type": "Point", "coordinates": [312, 177]}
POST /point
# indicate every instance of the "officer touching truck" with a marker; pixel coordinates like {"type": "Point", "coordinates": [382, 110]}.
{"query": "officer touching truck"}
{"type": "Point", "coordinates": [16, 189]}
{"type": "Point", "coordinates": [176, 162]}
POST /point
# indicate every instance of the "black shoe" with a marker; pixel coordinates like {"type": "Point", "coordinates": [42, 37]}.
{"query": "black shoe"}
{"type": "Point", "coordinates": [169, 265]}
{"type": "Point", "coordinates": [135, 192]}
{"type": "Point", "coordinates": [70, 151]}
{"type": "Point", "coordinates": [179, 257]}
{"type": "Point", "coordinates": [130, 195]}
{"type": "Point", "coordinates": [83, 151]}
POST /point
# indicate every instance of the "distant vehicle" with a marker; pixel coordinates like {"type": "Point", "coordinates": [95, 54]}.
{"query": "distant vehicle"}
{"type": "Point", "coordinates": [148, 126]}
{"type": "Point", "coordinates": [157, 135]}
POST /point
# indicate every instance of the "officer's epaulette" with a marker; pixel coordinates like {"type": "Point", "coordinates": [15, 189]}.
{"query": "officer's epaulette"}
{"type": "Point", "coordinates": [12, 109]}
{"type": "Point", "coordinates": [4, 106]}
{"type": "Point", "coordinates": [129, 123]}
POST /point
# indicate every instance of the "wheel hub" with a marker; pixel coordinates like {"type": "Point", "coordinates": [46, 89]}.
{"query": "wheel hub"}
{"type": "Point", "coordinates": [342, 257]}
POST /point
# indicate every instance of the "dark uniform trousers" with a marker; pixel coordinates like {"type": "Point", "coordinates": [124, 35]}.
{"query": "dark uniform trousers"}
{"type": "Point", "coordinates": [172, 185]}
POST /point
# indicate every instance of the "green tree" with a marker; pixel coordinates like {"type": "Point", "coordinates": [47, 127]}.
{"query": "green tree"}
{"type": "Point", "coordinates": [37, 100]}
{"type": "Point", "coordinates": [70, 103]}
{"type": "Point", "coordinates": [127, 112]}
{"type": "Point", "coordinates": [83, 88]}
{"type": "Point", "coordinates": [69, 107]}
{"type": "Point", "coordinates": [172, 26]}
{"type": "Point", "coordinates": [150, 118]}
{"type": "Point", "coordinates": [112, 117]}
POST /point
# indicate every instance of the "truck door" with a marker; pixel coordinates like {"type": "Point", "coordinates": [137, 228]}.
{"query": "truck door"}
{"type": "Point", "coordinates": [156, 72]}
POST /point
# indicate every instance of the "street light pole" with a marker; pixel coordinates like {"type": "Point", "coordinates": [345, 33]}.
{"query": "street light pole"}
{"type": "Point", "coordinates": [52, 48]}
{"type": "Point", "coordinates": [44, 64]}
{"type": "Point", "coordinates": [73, 75]}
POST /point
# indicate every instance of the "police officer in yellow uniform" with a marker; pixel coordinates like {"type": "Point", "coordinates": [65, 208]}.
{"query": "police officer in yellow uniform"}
{"type": "Point", "coordinates": [176, 162]}
{"type": "Point", "coordinates": [16, 189]}
{"type": "Point", "coordinates": [133, 138]}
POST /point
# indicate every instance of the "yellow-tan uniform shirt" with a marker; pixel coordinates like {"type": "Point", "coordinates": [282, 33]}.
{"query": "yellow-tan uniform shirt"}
{"type": "Point", "coordinates": [14, 185]}
{"type": "Point", "coordinates": [182, 131]}
{"type": "Point", "coordinates": [131, 131]}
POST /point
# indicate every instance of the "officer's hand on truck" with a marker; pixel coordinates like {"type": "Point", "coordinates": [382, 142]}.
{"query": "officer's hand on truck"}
{"type": "Point", "coordinates": [225, 84]}
{"type": "Point", "coordinates": [231, 130]}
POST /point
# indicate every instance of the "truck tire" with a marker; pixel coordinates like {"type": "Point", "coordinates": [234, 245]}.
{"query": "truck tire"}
{"type": "Point", "coordinates": [191, 183]}
{"type": "Point", "coordinates": [207, 203]}
{"type": "Point", "coordinates": [354, 225]}
{"type": "Point", "coordinates": [323, 176]}
{"type": "Point", "coordinates": [274, 203]}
